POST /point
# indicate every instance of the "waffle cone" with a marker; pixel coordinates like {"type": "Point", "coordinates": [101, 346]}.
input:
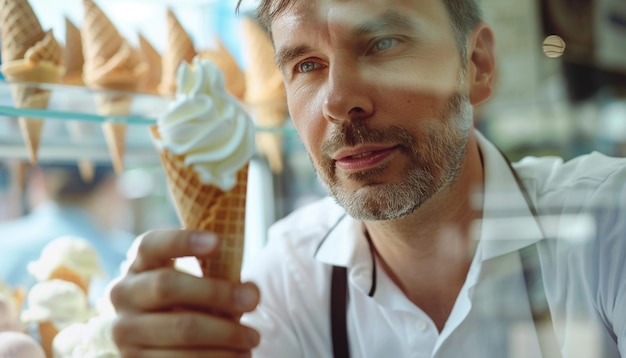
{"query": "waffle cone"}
{"type": "Point", "coordinates": [109, 61]}
{"type": "Point", "coordinates": [115, 133]}
{"type": "Point", "coordinates": [265, 91]}
{"type": "Point", "coordinates": [263, 79]}
{"type": "Point", "coordinates": [29, 96]}
{"type": "Point", "coordinates": [66, 274]}
{"type": "Point", "coordinates": [47, 332]}
{"type": "Point", "coordinates": [20, 29]}
{"type": "Point", "coordinates": [233, 76]}
{"type": "Point", "coordinates": [152, 79]}
{"type": "Point", "coordinates": [180, 48]}
{"type": "Point", "coordinates": [208, 208]}
{"type": "Point", "coordinates": [73, 55]}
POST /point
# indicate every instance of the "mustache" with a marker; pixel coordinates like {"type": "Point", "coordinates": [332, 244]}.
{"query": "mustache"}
{"type": "Point", "coordinates": [357, 133]}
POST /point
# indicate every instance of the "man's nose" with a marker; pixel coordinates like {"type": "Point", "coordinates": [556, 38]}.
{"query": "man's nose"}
{"type": "Point", "coordinates": [347, 96]}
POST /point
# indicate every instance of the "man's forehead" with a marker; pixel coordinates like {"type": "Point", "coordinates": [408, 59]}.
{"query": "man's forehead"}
{"type": "Point", "coordinates": [352, 13]}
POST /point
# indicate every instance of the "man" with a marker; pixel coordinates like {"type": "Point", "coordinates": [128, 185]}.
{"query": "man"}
{"type": "Point", "coordinates": [437, 242]}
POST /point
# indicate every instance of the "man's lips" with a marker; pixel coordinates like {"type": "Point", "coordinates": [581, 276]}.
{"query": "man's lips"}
{"type": "Point", "coordinates": [361, 158]}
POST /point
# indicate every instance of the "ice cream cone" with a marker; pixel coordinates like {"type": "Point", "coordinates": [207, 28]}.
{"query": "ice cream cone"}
{"type": "Point", "coordinates": [152, 79]}
{"type": "Point", "coordinates": [47, 332]}
{"type": "Point", "coordinates": [225, 61]}
{"type": "Point", "coordinates": [67, 274]}
{"type": "Point", "coordinates": [206, 207]}
{"type": "Point", "coordinates": [265, 92]}
{"type": "Point", "coordinates": [73, 55]}
{"type": "Point", "coordinates": [180, 48]}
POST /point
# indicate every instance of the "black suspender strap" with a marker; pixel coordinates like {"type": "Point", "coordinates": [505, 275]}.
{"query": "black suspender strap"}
{"type": "Point", "coordinates": [338, 314]}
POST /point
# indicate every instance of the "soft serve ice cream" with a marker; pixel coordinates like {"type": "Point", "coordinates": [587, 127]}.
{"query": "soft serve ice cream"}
{"type": "Point", "coordinates": [207, 125]}
{"type": "Point", "coordinates": [205, 143]}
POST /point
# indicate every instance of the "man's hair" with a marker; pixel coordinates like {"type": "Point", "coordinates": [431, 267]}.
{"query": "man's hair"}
{"type": "Point", "coordinates": [70, 186]}
{"type": "Point", "coordinates": [464, 15]}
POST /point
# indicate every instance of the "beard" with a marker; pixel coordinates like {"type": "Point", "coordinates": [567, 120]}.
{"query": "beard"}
{"type": "Point", "coordinates": [435, 161]}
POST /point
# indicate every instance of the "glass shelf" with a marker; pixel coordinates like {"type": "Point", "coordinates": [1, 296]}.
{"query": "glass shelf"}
{"type": "Point", "coordinates": [72, 124]}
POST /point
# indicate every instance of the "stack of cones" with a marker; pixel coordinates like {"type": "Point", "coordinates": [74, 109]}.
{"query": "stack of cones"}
{"type": "Point", "coordinates": [110, 64]}
{"type": "Point", "coordinates": [180, 48]}
{"type": "Point", "coordinates": [206, 207]}
{"type": "Point", "coordinates": [29, 55]}
{"type": "Point", "coordinates": [233, 76]}
{"type": "Point", "coordinates": [265, 92]}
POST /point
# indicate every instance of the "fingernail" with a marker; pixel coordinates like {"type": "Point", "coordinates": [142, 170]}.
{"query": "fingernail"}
{"type": "Point", "coordinates": [245, 297]}
{"type": "Point", "coordinates": [202, 243]}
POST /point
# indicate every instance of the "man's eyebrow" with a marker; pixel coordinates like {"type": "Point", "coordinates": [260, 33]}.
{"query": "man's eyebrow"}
{"type": "Point", "coordinates": [389, 20]}
{"type": "Point", "coordinates": [285, 55]}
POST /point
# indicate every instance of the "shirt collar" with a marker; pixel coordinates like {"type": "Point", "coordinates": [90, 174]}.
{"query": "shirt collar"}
{"type": "Point", "coordinates": [507, 224]}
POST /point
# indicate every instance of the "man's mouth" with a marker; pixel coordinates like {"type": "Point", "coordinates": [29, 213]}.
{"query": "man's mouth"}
{"type": "Point", "coordinates": [355, 160]}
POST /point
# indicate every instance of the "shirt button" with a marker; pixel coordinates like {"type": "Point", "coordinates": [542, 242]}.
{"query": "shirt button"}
{"type": "Point", "coordinates": [422, 325]}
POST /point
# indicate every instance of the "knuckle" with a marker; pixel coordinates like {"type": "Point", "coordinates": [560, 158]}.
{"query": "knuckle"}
{"type": "Point", "coordinates": [122, 329]}
{"type": "Point", "coordinates": [144, 242]}
{"type": "Point", "coordinates": [163, 284]}
{"type": "Point", "coordinates": [215, 294]}
{"type": "Point", "coordinates": [118, 294]}
{"type": "Point", "coordinates": [186, 328]}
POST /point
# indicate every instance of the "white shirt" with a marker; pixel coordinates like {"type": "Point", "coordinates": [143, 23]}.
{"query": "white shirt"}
{"type": "Point", "coordinates": [582, 256]}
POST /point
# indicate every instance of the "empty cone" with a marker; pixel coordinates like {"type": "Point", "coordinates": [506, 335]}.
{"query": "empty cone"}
{"type": "Point", "coordinates": [265, 92]}
{"type": "Point", "coordinates": [180, 48]}
{"type": "Point", "coordinates": [111, 64]}
{"type": "Point", "coordinates": [233, 76]}
{"type": "Point", "coordinates": [73, 55]}
{"type": "Point", "coordinates": [206, 207]}
{"type": "Point", "coordinates": [115, 133]}
{"type": "Point", "coordinates": [20, 29]}
{"type": "Point", "coordinates": [153, 59]}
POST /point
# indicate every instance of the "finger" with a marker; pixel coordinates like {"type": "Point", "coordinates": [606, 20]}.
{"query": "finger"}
{"type": "Point", "coordinates": [163, 289]}
{"type": "Point", "coordinates": [157, 248]}
{"type": "Point", "coordinates": [187, 353]}
{"type": "Point", "coordinates": [183, 330]}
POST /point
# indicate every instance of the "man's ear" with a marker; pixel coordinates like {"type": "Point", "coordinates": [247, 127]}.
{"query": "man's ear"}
{"type": "Point", "coordinates": [481, 63]}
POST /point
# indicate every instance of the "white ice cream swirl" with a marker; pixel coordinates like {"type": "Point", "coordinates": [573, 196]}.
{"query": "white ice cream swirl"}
{"type": "Point", "coordinates": [207, 126]}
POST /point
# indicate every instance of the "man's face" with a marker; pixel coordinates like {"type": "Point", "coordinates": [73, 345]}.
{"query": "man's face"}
{"type": "Point", "coordinates": [376, 91]}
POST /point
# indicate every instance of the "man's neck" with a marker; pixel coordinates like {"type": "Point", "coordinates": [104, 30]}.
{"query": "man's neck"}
{"type": "Point", "coordinates": [428, 252]}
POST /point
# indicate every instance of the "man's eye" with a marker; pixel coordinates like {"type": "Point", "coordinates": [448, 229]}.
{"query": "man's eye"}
{"type": "Point", "coordinates": [383, 44]}
{"type": "Point", "coordinates": [307, 66]}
